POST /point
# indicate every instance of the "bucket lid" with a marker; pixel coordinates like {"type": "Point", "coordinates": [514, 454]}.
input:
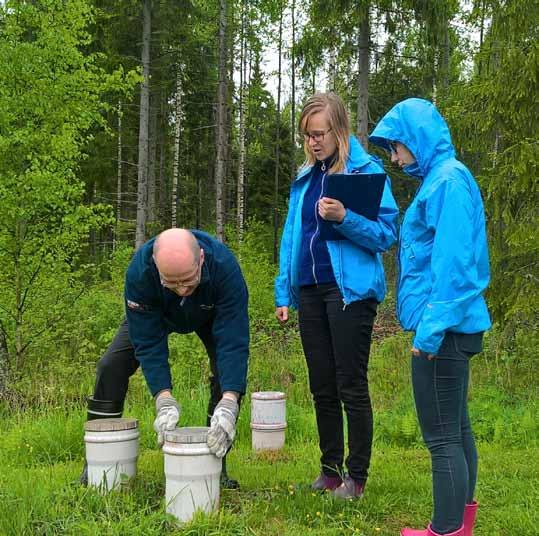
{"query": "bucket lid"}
{"type": "Point", "coordinates": [268, 395]}
{"type": "Point", "coordinates": [188, 434]}
{"type": "Point", "coordinates": [110, 425]}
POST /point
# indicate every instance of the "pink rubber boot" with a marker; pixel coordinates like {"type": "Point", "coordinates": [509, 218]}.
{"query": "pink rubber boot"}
{"type": "Point", "coordinates": [429, 532]}
{"type": "Point", "coordinates": [470, 511]}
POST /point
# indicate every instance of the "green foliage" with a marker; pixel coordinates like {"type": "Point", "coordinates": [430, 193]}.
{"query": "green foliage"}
{"type": "Point", "coordinates": [261, 152]}
{"type": "Point", "coordinates": [49, 99]}
{"type": "Point", "coordinates": [259, 272]}
{"type": "Point", "coordinates": [494, 118]}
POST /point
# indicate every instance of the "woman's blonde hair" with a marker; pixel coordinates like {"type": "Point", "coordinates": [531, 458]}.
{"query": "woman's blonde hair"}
{"type": "Point", "coordinates": [338, 122]}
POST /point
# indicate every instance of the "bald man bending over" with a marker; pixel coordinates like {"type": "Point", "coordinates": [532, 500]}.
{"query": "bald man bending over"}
{"type": "Point", "coordinates": [181, 281]}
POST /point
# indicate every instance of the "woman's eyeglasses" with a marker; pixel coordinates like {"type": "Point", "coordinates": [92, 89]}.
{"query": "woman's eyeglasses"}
{"type": "Point", "coordinates": [317, 137]}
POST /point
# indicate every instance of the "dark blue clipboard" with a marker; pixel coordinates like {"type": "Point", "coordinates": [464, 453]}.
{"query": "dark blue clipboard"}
{"type": "Point", "coordinates": [359, 192]}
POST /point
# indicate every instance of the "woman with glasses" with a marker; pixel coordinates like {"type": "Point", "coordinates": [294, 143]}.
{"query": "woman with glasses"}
{"type": "Point", "coordinates": [336, 286]}
{"type": "Point", "coordinates": [444, 270]}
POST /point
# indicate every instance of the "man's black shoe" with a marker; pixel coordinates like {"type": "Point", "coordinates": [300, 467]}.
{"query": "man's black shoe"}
{"type": "Point", "coordinates": [83, 479]}
{"type": "Point", "coordinates": [228, 483]}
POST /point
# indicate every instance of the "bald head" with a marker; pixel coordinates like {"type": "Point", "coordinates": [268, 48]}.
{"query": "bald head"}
{"type": "Point", "coordinates": [177, 256]}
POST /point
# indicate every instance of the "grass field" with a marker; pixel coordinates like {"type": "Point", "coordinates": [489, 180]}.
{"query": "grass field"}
{"type": "Point", "coordinates": [41, 454]}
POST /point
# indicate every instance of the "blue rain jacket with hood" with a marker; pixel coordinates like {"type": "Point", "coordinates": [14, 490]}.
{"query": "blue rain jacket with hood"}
{"type": "Point", "coordinates": [443, 254]}
{"type": "Point", "coordinates": [356, 262]}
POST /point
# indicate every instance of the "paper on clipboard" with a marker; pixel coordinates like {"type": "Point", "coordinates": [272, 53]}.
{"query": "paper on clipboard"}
{"type": "Point", "coordinates": [359, 192]}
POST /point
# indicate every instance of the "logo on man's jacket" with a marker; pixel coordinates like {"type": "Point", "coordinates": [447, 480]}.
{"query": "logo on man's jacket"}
{"type": "Point", "coordinates": [134, 306]}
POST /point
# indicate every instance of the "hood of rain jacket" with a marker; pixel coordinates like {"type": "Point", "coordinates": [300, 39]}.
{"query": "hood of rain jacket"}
{"type": "Point", "coordinates": [443, 253]}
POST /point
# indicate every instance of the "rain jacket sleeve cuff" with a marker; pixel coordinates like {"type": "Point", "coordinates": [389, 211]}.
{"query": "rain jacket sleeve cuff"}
{"type": "Point", "coordinates": [430, 345]}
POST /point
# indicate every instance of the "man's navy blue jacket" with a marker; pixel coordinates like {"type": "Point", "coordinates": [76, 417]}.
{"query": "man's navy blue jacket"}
{"type": "Point", "coordinates": [154, 311]}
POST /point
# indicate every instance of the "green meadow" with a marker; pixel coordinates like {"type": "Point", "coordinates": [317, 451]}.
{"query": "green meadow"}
{"type": "Point", "coordinates": [42, 449]}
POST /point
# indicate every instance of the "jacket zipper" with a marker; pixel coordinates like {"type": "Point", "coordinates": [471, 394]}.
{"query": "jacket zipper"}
{"type": "Point", "coordinates": [323, 168]}
{"type": "Point", "coordinates": [342, 278]}
{"type": "Point", "coordinates": [399, 250]}
{"type": "Point", "coordinates": [399, 272]}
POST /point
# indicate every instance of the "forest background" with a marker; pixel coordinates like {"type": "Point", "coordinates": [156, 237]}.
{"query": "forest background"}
{"type": "Point", "coordinates": [120, 118]}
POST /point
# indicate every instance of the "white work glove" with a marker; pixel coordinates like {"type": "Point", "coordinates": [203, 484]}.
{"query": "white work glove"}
{"type": "Point", "coordinates": [223, 426]}
{"type": "Point", "coordinates": [168, 415]}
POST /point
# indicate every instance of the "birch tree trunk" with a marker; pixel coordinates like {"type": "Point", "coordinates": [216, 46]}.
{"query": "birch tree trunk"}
{"type": "Point", "coordinates": [118, 177]}
{"type": "Point", "coordinates": [162, 199]}
{"type": "Point", "coordinates": [198, 212]}
{"type": "Point", "coordinates": [221, 124]}
{"type": "Point", "coordinates": [446, 56]}
{"type": "Point", "coordinates": [177, 132]}
{"type": "Point", "coordinates": [363, 77]}
{"type": "Point", "coordinates": [241, 163]}
{"type": "Point", "coordinates": [152, 159]}
{"type": "Point", "coordinates": [277, 143]}
{"type": "Point", "coordinates": [142, 183]}
{"type": "Point", "coordinates": [229, 185]}
{"type": "Point", "coordinates": [332, 82]}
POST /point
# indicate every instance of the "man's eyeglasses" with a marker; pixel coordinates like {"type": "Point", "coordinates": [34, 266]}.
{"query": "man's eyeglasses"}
{"type": "Point", "coordinates": [392, 146]}
{"type": "Point", "coordinates": [317, 137]}
{"type": "Point", "coordinates": [193, 281]}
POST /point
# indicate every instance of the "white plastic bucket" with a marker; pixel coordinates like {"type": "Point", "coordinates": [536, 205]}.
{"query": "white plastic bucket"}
{"type": "Point", "coordinates": [111, 452]}
{"type": "Point", "coordinates": [268, 420]}
{"type": "Point", "coordinates": [268, 407]}
{"type": "Point", "coordinates": [192, 473]}
{"type": "Point", "coordinates": [268, 436]}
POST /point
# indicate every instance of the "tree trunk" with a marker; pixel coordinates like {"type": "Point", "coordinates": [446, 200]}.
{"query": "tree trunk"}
{"type": "Point", "coordinates": [229, 194]}
{"type": "Point", "coordinates": [19, 305]}
{"type": "Point", "coordinates": [481, 37]}
{"type": "Point", "coordinates": [4, 366]}
{"type": "Point", "coordinates": [293, 96]}
{"type": "Point", "coordinates": [177, 131]}
{"type": "Point", "coordinates": [442, 73]}
{"type": "Point", "coordinates": [241, 164]}
{"type": "Point", "coordinates": [162, 199]}
{"type": "Point", "coordinates": [277, 144]}
{"type": "Point", "coordinates": [332, 82]}
{"type": "Point", "coordinates": [221, 123]}
{"type": "Point", "coordinates": [363, 77]}
{"type": "Point", "coordinates": [118, 177]}
{"type": "Point", "coordinates": [152, 158]}
{"type": "Point", "coordinates": [142, 179]}
{"type": "Point", "coordinates": [198, 213]}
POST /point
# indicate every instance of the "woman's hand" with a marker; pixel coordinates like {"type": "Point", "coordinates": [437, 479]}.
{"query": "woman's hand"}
{"type": "Point", "coordinates": [416, 352]}
{"type": "Point", "coordinates": [282, 314]}
{"type": "Point", "coordinates": [331, 209]}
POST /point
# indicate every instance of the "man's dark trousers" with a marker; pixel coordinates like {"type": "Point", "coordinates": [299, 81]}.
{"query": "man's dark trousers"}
{"type": "Point", "coordinates": [118, 364]}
